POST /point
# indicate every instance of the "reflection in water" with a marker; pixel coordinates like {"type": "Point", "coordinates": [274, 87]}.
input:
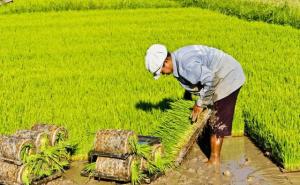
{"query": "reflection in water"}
{"type": "Point", "coordinates": [249, 166]}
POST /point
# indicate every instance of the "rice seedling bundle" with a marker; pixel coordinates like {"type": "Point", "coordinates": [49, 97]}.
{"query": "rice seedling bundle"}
{"type": "Point", "coordinates": [15, 149]}
{"type": "Point", "coordinates": [40, 139]}
{"type": "Point", "coordinates": [177, 131]}
{"type": "Point", "coordinates": [56, 133]}
{"type": "Point", "coordinates": [49, 161]}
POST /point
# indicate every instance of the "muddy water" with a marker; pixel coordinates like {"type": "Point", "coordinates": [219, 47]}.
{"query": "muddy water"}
{"type": "Point", "coordinates": [242, 164]}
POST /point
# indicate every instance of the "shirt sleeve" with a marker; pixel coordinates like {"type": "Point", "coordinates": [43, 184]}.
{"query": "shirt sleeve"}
{"type": "Point", "coordinates": [201, 73]}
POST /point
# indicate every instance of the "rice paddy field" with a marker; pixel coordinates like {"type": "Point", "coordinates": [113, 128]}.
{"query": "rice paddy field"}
{"type": "Point", "coordinates": [80, 64]}
{"type": "Point", "coordinates": [283, 12]}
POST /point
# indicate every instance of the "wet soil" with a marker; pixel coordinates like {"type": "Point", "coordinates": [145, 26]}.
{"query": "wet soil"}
{"type": "Point", "coordinates": [242, 164]}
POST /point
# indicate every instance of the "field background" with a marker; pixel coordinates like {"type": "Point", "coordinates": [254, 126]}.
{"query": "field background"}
{"type": "Point", "coordinates": [85, 69]}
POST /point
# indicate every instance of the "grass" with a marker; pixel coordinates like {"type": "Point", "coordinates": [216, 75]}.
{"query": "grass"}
{"type": "Point", "coordinates": [85, 70]}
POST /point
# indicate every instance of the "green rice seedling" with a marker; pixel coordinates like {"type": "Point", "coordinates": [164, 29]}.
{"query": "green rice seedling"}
{"type": "Point", "coordinates": [90, 168]}
{"type": "Point", "coordinates": [44, 143]}
{"type": "Point", "coordinates": [72, 69]}
{"type": "Point", "coordinates": [176, 129]}
{"type": "Point", "coordinates": [20, 6]}
{"type": "Point", "coordinates": [145, 163]}
{"type": "Point", "coordinates": [136, 172]}
{"type": "Point", "coordinates": [26, 152]}
{"type": "Point", "coordinates": [48, 161]}
{"type": "Point", "coordinates": [142, 150]}
{"type": "Point", "coordinates": [284, 12]}
{"type": "Point", "coordinates": [26, 176]}
{"type": "Point", "coordinates": [175, 122]}
{"type": "Point", "coordinates": [60, 137]}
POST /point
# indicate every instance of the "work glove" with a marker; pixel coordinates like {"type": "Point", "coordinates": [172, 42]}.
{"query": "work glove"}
{"type": "Point", "coordinates": [196, 111]}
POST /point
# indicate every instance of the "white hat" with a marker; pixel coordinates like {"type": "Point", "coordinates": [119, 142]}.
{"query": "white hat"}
{"type": "Point", "coordinates": [154, 59]}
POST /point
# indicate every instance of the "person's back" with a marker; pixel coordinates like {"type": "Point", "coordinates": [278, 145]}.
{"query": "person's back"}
{"type": "Point", "coordinates": [228, 73]}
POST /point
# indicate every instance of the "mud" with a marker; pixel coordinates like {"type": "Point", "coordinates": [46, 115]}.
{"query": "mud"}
{"type": "Point", "coordinates": [242, 164]}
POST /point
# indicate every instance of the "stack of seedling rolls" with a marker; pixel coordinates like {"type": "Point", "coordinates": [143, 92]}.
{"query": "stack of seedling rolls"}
{"type": "Point", "coordinates": [30, 155]}
{"type": "Point", "coordinates": [124, 156]}
{"type": "Point", "coordinates": [121, 155]}
{"type": "Point", "coordinates": [14, 153]}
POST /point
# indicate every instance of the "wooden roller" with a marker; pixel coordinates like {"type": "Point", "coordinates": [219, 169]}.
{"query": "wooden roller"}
{"type": "Point", "coordinates": [114, 141]}
{"type": "Point", "coordinates": [15, 149]}
{"type": "Point", "coordinates": [40, 138]}
{"type": "Point", "coordinates": [56, 133]}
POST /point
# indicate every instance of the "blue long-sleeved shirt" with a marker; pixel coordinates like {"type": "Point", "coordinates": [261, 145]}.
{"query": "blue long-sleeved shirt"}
{"type": "Point", "coordinates": [207, 72]}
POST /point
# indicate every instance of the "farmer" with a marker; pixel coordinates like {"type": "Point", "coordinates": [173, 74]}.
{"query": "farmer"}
{"type": "Point", "coordinates": [213, 75]}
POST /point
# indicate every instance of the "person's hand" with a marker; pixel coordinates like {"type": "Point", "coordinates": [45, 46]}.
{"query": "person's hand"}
{"type": "Point", "coordinates": [196, 111]}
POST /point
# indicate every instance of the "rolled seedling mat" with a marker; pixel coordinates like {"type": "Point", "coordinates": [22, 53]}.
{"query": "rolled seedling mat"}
{"type": "Point", "coordinates": [157, 151]}
{"type": "Point", "coordinates": [115, 142]}
{"type": "Point", "coordinates": [15, 149]}
{"type": "Point", "coordinates": [56, 133]}
{"type": "Point", "coordinates": [114, 169]}
{"type": "Point", "coordinates": [40, 138]}
{"type": "Point", "coordinates": [13, 174]}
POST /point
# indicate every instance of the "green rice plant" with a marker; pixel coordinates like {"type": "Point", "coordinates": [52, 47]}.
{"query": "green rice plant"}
{"type": "Point", "coordinates": [175, 130]}
{"type": "Point", "coordinates": [136, 172]}
{"type": "Point", "coordinates": [85, 70]}
{"type": "Point", "coordinates": [90, 168]}
{"type": "Point", "coordinates": [141, 150]}
{"type": "Point", "coordinates": [26, 176]}
{"type": "Point", "coordinates": [26, 151]}
{"type": "Point", "coordinates": [48, 161]}
{"type": "Point", "coordinates": [44, 142]}
{"type": "Point", "coordinates": [284, 12]}
{"type": "Point", "coordinates": [21, 6]}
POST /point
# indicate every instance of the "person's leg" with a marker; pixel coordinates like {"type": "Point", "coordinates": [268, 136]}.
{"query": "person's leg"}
{"type": "Point", "coordinates": [216, 146]}
{"type": "Point", "coordinates": [221, 124]}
